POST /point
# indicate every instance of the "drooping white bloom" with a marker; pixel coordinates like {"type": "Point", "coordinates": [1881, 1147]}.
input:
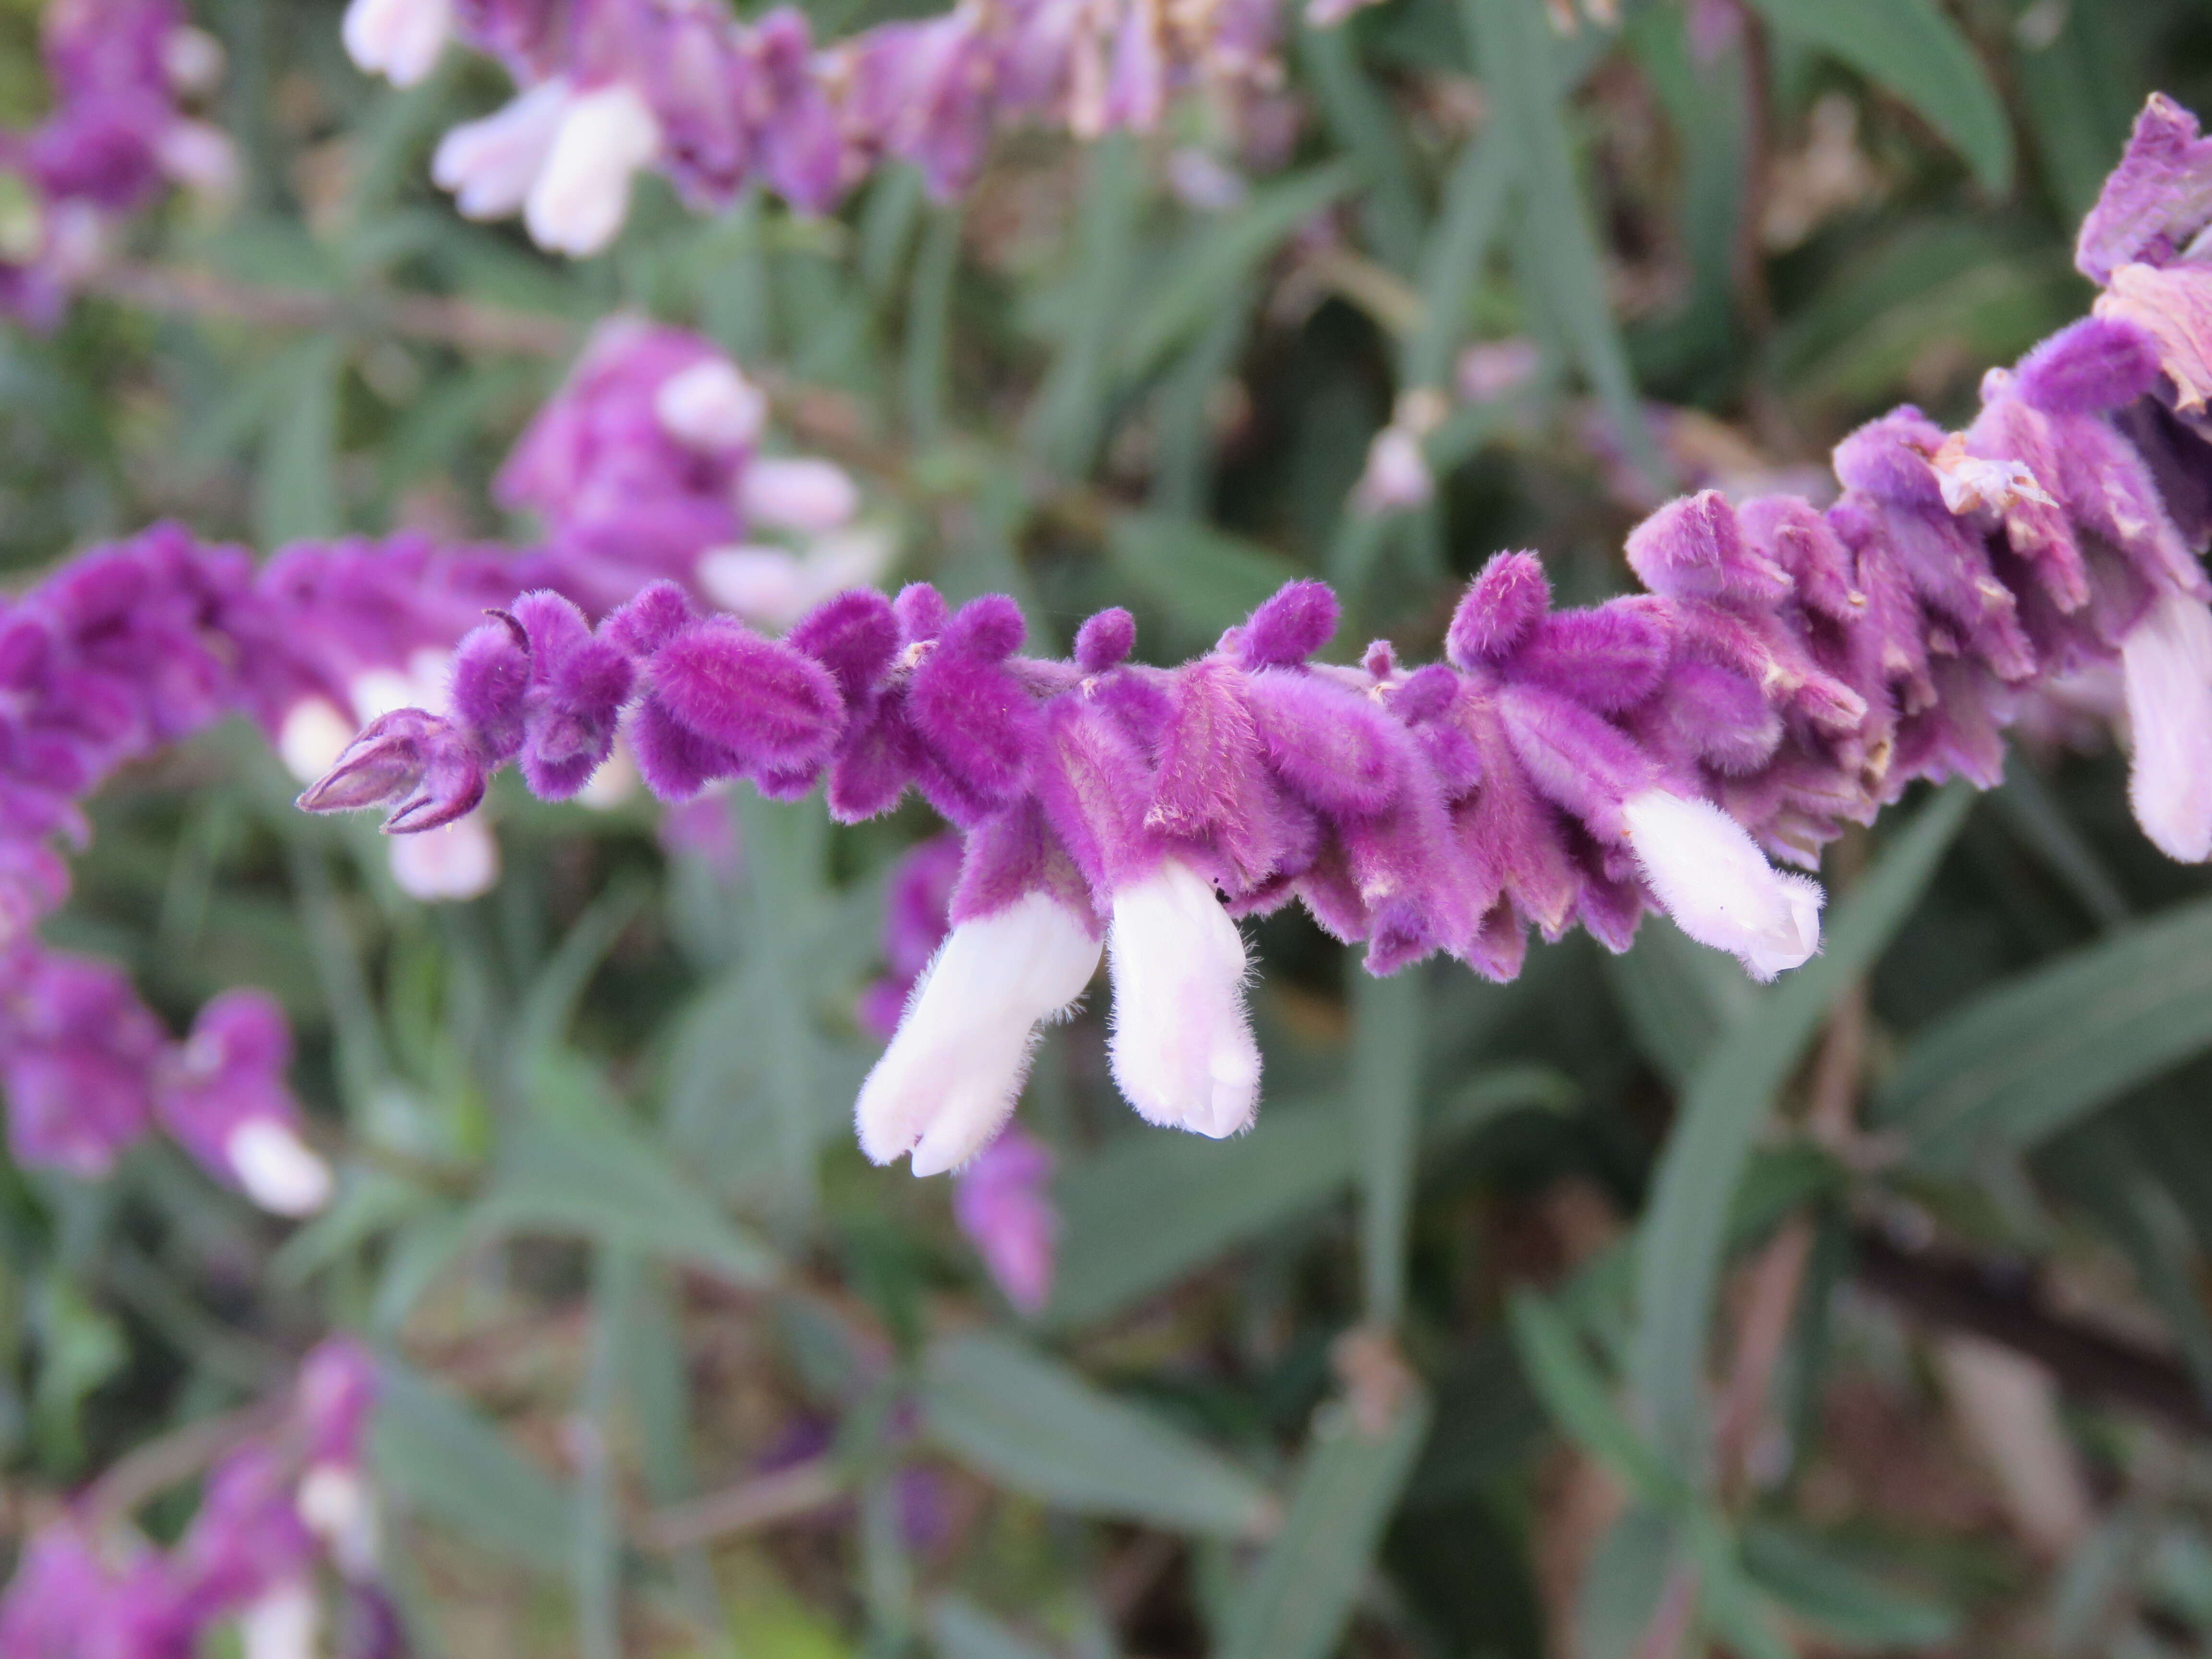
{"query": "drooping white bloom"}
{"type": "Point", "coordinates": [490, 165]}
{"type": "Point", "coordinates": [281, 1623]}
{"type": "Point", "coordinates": [774, 588]}
{"type": "Point", "coordinates": [457, 860]}
{"type": "Point", "coordinates": [710, 406]}
{"type": "Point", "coordinates": [280, 1171]}
{"type": "Point", "coordinates": [2166, 662]}
{"type": "Point", "coordinates": [192, 59]}
{"type": "Point", "coordinates": [801, 493]}
{"type": "Point", "coordinates": [399, 39]}
{"type": "Point", "coordinates": [1181, 1052]}
{"type": "Point", "coordinates": [1396, 475]}
{"type": "Point", "coordinates": [949, 1080]}
{"type": "Point", "coordinates": [1713, 880]}
{"type": "Point", "coordinates": [335, 1505]}
{"type": "Point", "coordinates": [581, 196]}
{"type": "Point", "coordinates": [199, 156]}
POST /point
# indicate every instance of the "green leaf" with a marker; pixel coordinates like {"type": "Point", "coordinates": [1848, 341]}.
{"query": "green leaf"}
{"type": "Point", "coordinates": [961, 1630]}
{"type": "Point", "coordinates": [1847, 1604]}
{"type": "Point", "coordinates": [607, 1182]}
{"type": "Point", "coordinates": [1152, 1206]}
{"type": "Point", "coordinates": [1297, 1603]}
{"type": "Point", "coordinates": [1389, 1018]}
{"type": "Point", "coordinates": [1038, 1428]}
{"type": "Point", "coordinates": [1909, 48]}
{"type": "Point", "coordinates": [1206, 579]}
{"type": "Point", "coordinates": [2045, 1048]}
{"type": "Point", "coordinates": [295, 487]}
{"type": "Point", "coordinates": [1219, 256]}
{"type": "Point", "coordinates": [1360, 118]}
{"type": "Point", "coordinates": [1621, 1587]}
{"type": "Point", "coordinates": [445, 1458]}
{"type": "Point", "coordinates": [1559, 258]}
{"type": "Point", "coordinates": [1684, 1230]}
{"type": "Point", "coordinates": [1576, 1395]}
{"type": "Point", "coordinates": [1452, 258]}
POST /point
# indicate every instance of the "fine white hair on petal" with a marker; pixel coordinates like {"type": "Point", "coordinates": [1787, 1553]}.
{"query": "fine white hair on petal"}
{"type": "Point", "coordinates": [710, 406]}
{"type": "Point", "coordinates": [1183, 1053]}
{"type": "Point", "coordinates": [581, 195]}
{"type": "Point", "coordinates": [949, 1080]}
{"type": "Point", "coordinates": [399, 39]}
{"type": "Point", "coordinates": [801, 493]}
{"type": "Point", "coordinates": [281, 1623]}
{"type": "Point", "coordinates": [457, 860]}
{"type": "Point", "coordinates": [279, 1171]}
{"type": "Point", "coordinates": [490, 165]}
{"type": "Point", "coordinates": [2166, 663]}
{"type": "Point", "coordinates": [1709, 876]}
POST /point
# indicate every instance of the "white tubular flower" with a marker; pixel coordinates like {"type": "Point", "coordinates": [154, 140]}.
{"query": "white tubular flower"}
{"type": "Point", "coordinates": [280, 1624]}
{"type": "Point", "coordinates": [581, 196]}
{"type": "Point", "coordinates": [710, 406]}
{"type": "Point", "coordinates": [490, 165]}
{"type": "Point", "coordinates": [949, 1080]}
{"type": "Point", "coordinates": [2166, 663]}
{"type": "Point", "coordinates": [399, 39]}
{"type": "Point", "coordinates": [457, 860]}
{"type": "Point", "coordinates": [799, 493]}
{"type": "Point", "coordinates": [1710, 875]}
{"type": "Point", "coordinates": [764, 585]}
{"type": "Point", "coordinates": [1181, 1052]}
{"type": "Point", "coordinates": [198, 156]}
{"type": "Point", "coordinates": [280, 1171]}
{"type": "Point", "coordinates": [335, 1505]}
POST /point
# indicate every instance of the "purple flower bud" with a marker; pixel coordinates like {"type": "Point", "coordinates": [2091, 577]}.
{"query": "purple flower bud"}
{"type": "Point", "coordinates": [1694, 548]}
{"type": "Point", "coordinates": [1105, 640]}
{"type": "Point", "coordinates": [491, 674]}
{"type": "Point", "coordinates": [1501, 608]}
{"type": "Point", "coordinates": [1289, 628]}
{"type": "Point", "coordinates": [2157, 198]}
{"type": "Point", "coordinates": [975, 716]}
{"type": "Point", "coordinates": [420, 765]}
{"type": "Point", "coordinates": [854, 636]}
{"type": "Point", "coordinates": [1334, 747]}
{"type": "Point", "coordinates": [654, 617]}
{"type": "Point", "coordinates": [1003, 1202]}
{"type": "Point", "coordinates": [78, 1052]}
{"type": "Point", "coordinates": [225, 1100]}
{"type": "Point", "coordinates": [769, 706]}
{"type": "Point", "coordinates": [2089, 366]}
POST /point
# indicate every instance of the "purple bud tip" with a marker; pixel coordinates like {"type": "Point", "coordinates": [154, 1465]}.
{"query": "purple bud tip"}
{"type": "Point", "coordinates": [648, 621]}
{"type": "Point", "coordinates": [1425, 695]}
{"type": "Point", "coordinates": [1503, 606]}
{"type": "Point", "coordinates": [1291, 627]}
{"type": "Point", "coordinates": [921, 611]}
{"type": "Point", "coordinates": [1381, 661]}
{"type": "Point", "coordinates": [1105, 640]}
{"type": "Point", "coordinates": [1686, 549]}
{"type": "Point", "coordinates": [854, 636]}
{"type": "Point", "coordinates": [990, 628]}
{"type": "Point", "coordinates": [2089, 367]}
{"type": "Point", "coordinates": [515, 629]}
{"type": "Point", "coordinates": [384, 763]}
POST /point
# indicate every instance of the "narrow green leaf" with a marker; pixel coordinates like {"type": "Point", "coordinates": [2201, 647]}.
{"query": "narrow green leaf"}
{"type": "Point", "coordinates": [1297, 1604]}
{"type": "Point", "coordinates": [1360, 118]}
{"type": "Point", "coordinates": [2045, 1048]}
{"type": "Point", "coordinates": [1560, 253]}
{"type": "Point", "coordinates": [961, 1630]}
{"type": "Point", "coordinates": [1684, 1230]}
{"type": "Point", "coordinates": [1621, 1587]}
{"type": "Point", "coordinates": [1552, 1359]}
{"type": "Point", "coordinates": [1909, 48]}
{"type": "Point", "coordinates": [1827, 1589]}
{"type": "Point", "coordinates": [295, 487]}
{"type": "Point", "coordinates": [1206, 580]}
{"type": "Point", "coordinates": [2079, 93]}
{"type": "Point", "coordinates": [1387, 1038]}
{"type": "Point", "coordinates": [443, 1456]}
{"type": "Point", "coordinates": [607, 1182]}
{"type": "Point", "coordinates": [1218, 258]}
{"type": "Point", "coordinates": [1037, 1427]}
{"type": "Point", "coordinates": [926, 364]}
{"type": "Point", "coordinates": [1452, 258]}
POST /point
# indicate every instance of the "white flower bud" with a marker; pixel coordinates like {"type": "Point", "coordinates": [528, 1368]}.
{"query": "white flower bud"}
{"type": "Point", "coordinates": [490, 165]}
{"type": "Point", "coordinates": [798, 493]}
{"type": "Point", "coordinates": [279, 1171]}
{"type": "Point", "coordinates": [710, 406]}
{"type": "Point", "coordinates": [763, 585]}
{"type": "Point", "coordinates": [281, 1623]}
{"type": "Point", "coordinates": [949, 1080]}
{"type": "Point", "coordinates": [399, 39]}
{"type": "Point", "coordinates": [2166, 662]}
{"type": "Point", "coordinates": [1709, 876]}
{"type": "Point", "coordinates": [1181, 1052]}
{"type": "Point", "coordinates": [457, 860]}
{"type": "Point", "coordinates": [581, 196]}
{"type": "Point", "coordinates": [313, 737]}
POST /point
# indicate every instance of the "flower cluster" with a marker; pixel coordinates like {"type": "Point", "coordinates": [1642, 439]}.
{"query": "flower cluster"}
{"type": "Point", "coordinates": [116, 135]}
{"type": "Point", "coordinates": [275, 1513]}
{"type": "Point", "coordinates": [608, 86]}
{"type": "Point", "coordinates": [1787, 671]}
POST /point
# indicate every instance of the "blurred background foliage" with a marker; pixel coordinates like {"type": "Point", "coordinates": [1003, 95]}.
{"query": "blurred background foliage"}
{"type": "Point", "coordinates": [1624, 1310]}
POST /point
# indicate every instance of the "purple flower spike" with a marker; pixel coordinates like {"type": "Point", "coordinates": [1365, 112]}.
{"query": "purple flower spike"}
{"type": "Point", "coordinates": [1003, 1202]}
{"type": "Point", "coordinates": [78, 1053]}
{"type": "Point", "coordinates": [225, 1100]}
{"type": "Point", "coordinates": [574, 696]}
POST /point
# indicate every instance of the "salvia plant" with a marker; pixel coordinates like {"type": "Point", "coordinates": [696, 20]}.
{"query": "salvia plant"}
{"type": "Point", "coordinates": [892, 580]}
